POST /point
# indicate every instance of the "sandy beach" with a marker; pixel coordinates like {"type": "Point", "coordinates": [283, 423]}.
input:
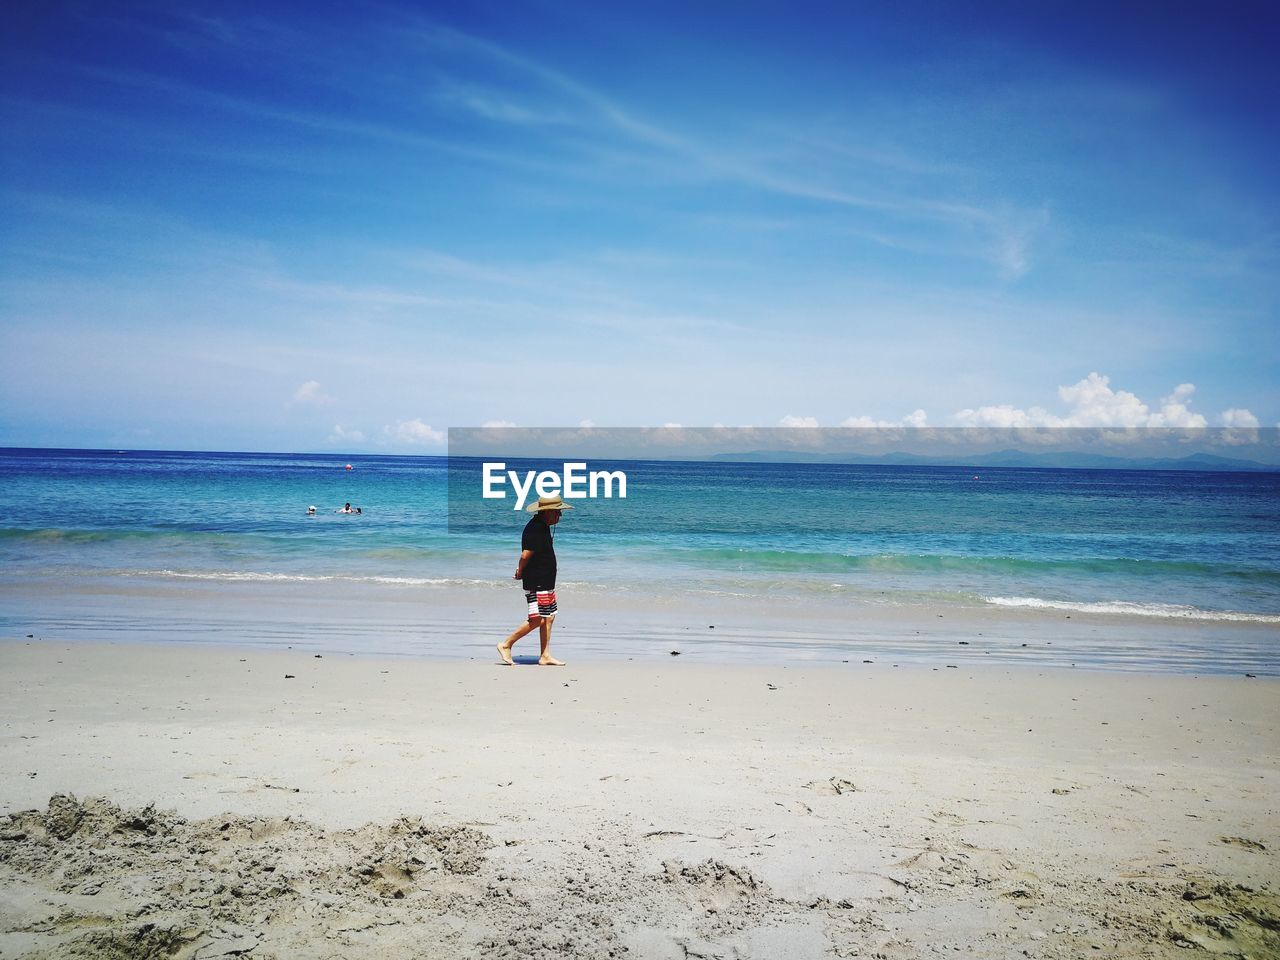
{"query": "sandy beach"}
{"type": "Point", "coordinates": [168, 801]}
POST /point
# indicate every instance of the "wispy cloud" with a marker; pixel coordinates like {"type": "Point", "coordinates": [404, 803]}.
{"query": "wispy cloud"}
{"type": "Point", "coordinates": [338, 292]}
{"type": "Point", "coordinates": [495, 105]}
{"type": "Point", "coordinates": [326, 123]}
{"type": "Point", "coordinates": [311, 394]}
{"type": "Point", "coordinates": [439, 263]}
{"type": "Point", "coordinates": [439, 36]}
{"type": "Point", "coordinates": [1011, 231]}
{"type": "Point", "coordinates": [563, 101]}
{"type": "Point", "coordinates": [833, 140]}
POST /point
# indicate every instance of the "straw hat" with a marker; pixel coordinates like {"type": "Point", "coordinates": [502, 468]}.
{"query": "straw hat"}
{"type": "Point", "coordinates": [548, 503]}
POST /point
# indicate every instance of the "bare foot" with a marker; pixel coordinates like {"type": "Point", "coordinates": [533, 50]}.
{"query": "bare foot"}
{"type": "Point", "coordinates": [505, 653]}
{"type": "Point", "coordinates": [549, 661]}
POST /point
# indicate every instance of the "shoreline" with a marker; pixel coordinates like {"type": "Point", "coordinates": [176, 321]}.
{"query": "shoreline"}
{"type": "Point", "coordinates": [455, 623]}
{"type": "Point", "coordinates": [669, 808]}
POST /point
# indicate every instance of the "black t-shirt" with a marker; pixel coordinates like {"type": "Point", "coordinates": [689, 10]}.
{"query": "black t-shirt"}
{"type": "Point", "coordinates": [539, 569]}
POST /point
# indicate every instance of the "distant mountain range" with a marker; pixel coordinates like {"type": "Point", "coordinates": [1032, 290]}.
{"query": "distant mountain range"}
{"type": "Point", "coordinates": [1011, 458]}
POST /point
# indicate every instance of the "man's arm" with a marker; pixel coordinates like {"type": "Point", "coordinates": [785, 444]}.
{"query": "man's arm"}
{"type": "Point", "coordinates": [524, 558]}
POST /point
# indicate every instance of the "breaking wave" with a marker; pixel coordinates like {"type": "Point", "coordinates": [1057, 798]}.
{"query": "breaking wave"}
{"type": "Point", "coordinates": [1129, 608]}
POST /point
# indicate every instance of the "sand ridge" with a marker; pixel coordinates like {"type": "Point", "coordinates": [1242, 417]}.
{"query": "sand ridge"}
{"type": "Point", "coordinates": [87, 878]}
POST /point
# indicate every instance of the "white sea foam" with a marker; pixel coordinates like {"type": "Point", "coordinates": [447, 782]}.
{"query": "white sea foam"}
{"type": "Point", "coordinates": [258, 577]}
{"type": "Point", "coordinates": [1128, 608]}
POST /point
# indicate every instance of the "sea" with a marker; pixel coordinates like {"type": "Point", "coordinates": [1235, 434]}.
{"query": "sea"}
{"type": "Point", "coordinates": [949, 567]}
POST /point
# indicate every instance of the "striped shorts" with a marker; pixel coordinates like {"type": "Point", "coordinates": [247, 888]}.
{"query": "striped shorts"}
{"type": "Point", "coordinates": [542, 603]}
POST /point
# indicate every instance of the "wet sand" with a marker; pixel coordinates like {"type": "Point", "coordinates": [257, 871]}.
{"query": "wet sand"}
{"type": "Point", "coordinates": [456, 622]}
{"type": "Point", "coordinates": [203, 802]}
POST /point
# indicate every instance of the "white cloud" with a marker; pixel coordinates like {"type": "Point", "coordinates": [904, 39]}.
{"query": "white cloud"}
{"type": "Point", "coordinates": [1003, 416]}
{"type": "Point", "coordinates": [1239, 418]}
{"type": "Point", "coordinates": [586, 424]}
{"type": "Point", "coordinates": [340, 435]}
{"type": "Point", "coordinates": [1092, 403]}
{"type": "Point", "coordinates": [311, 393]}
{"type": "Point", "coordinates": [917, 418]}
{"type": "Point", "coordinates": [1242, 427]}
{"type": "Point", "coordinates": [413, 431]}
{"type": "Point", "coordinates": [805, 422]}
{"type": "Point", "coordinates": [1174, 412]}
{"type": "Point", "coordinates": [497, 425]}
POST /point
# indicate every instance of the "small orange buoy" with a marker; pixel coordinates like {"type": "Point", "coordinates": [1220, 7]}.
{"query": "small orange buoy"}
{"type": "Point", "coordinates": [350, 467]}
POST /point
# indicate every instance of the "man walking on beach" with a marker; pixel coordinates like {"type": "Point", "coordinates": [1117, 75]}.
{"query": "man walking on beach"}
{"type": "Point", "coordinates": [536, 568]}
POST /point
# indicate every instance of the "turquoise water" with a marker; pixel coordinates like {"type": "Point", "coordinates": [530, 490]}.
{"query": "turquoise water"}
{"type": "Point", "coordinates": [104, 544]}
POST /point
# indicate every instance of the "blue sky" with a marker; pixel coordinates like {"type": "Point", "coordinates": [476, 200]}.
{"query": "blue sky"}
{"type": "Point", "coordinates": [351, 226]}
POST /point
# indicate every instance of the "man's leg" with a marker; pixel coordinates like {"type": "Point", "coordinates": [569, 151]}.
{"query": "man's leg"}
{"type": "Point", "coordinates": [504, 648]}
{"type": "Point", "coordinates": [544, 634]}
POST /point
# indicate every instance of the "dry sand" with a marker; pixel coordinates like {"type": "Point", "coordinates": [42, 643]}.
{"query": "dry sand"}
{"type": "Point", "coordinates": [165, 801]}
